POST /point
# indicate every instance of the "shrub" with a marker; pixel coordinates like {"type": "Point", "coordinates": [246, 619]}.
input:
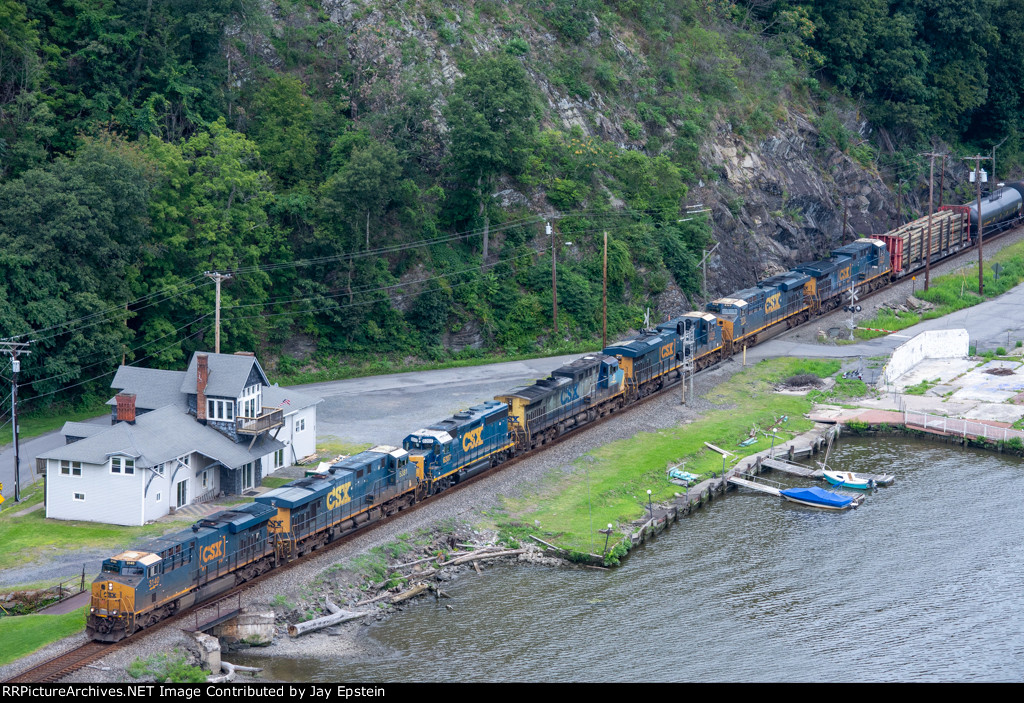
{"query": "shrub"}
{"type": "Point", "coordinates": [169, 668]}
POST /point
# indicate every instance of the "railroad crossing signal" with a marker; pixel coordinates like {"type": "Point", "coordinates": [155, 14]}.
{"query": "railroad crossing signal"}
{"type": "Point", "coordinates": [853, 299]}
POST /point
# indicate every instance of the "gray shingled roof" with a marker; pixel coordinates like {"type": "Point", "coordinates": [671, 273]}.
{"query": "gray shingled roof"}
{"type": "Point", "coordinates": [228, 374]}
{"type": "Point", "coordinates": [82, 429]}
{"type": "Point", "coordinates": [153, 388]}
{"type": "Point", "coordinates": [162, 435]}
{"type": "Point", "coordinates": [275, 397]}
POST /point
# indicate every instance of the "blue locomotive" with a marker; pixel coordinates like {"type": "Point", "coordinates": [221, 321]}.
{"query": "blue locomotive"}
{"type": "Point", "coordinates": [139, 587]}
{"type": "Point", "coordinates": [460, 446]}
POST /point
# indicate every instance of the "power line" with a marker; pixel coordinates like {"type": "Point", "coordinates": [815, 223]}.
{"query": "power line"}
{"type": "Point", "coordinates": [134, 363]}
{"type": "Point", "coordinates": [171, 292]}
{"type": "Point", "coordinates": [132, 349]}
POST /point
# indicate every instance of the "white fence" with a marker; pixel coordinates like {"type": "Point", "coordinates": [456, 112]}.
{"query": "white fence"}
{"type": "Point", "coordinates": [956, 426]}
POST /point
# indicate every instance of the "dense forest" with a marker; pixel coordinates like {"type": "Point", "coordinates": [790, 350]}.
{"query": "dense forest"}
{"type": "Point", "coordinates": [376, 175]}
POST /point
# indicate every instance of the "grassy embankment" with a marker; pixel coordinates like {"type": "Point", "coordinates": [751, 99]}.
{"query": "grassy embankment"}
{"type": "Point", "coordinates": [25, 634]}
{"type": "Point", "coordinates": [954, 291]}
{"type": "Point", "coordinates": [610, 484]}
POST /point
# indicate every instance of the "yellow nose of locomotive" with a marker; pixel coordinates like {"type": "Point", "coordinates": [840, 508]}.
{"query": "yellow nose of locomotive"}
{"type": "Point", "coordinates": [111, 611]}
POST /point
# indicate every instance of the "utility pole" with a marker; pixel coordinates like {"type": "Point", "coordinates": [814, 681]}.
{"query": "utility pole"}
{"type": "Point", "coordinates": [217, 278]}
{"type": "Point", "coordinates": [942, 179]}
{"type": "Point", "coordinates": [931, 207]}
{"type": "Point", "coordinates": [994, 179]}
{"type": "Point", "coordinates": [554, 281]}
{"type": "Point", "coordinates": [977, 175]}
{"type": "Point", "coordinates": [604, 295]}
{"type": "Point", "coordinates": [704, 265]}
{"type": "Point", "coordinates": [13, 350]}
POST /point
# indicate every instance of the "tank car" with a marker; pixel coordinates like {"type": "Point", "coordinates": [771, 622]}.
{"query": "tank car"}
{"type": "Point", "coordinates": [999, 208]}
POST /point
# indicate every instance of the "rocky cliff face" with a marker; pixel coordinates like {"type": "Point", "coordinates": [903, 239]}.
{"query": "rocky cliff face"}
{"type": "Point", "coordinates": [775, 201]}
{"type": "Point", "coordinates": [782, 200]}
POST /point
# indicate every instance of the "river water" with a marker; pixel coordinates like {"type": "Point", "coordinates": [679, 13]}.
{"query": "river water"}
{"type": "Point", "coordinates": [921, 583]}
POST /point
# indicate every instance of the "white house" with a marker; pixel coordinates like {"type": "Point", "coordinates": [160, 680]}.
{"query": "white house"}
{"type": "Point", "coordinates": [178, 437]}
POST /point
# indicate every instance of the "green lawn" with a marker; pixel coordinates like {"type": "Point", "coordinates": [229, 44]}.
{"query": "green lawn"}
{"type": "Point", "coordinates": [24, 634]}
{"type": "Point", "coordinates": [32, 536]}
{"type": "Point", "coordinates": [610, 484]}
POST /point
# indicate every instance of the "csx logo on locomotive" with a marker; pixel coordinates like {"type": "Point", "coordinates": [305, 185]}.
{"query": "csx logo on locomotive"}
{"type": "Point", "coordinates": [339, 496]}
{"type": "Point", "coordinates": [773, 303]}
{"type": "Point", "coordinates": [568, 395]}
{"type": "Point", "coordinates": [212, 552]}
{"type": "Point", "coordinates": [668, 350]}
{"type": "Point", "coordinates": [472, 439]}
{"type": "Point", "coordinates": [844, 274]}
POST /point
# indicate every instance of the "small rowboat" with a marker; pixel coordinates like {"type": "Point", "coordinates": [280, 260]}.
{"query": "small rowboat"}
{"type": "Point", "coordinates": [848, 479]}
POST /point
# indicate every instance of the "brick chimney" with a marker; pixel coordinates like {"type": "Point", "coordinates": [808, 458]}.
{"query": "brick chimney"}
{"type": "Point", "coordinates": [202, 377]}
{"type": "Point", "coordinates": [126, 407]}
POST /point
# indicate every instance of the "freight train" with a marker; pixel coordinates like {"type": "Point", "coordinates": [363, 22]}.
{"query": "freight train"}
{"type": "Point", "coordinates": [142, 586]}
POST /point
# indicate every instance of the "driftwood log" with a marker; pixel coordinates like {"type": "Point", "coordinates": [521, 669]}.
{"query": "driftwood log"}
{"type": "Point", "coordinates": [336, 617]}
{"type": "Point", "coordinates": [229, 670]}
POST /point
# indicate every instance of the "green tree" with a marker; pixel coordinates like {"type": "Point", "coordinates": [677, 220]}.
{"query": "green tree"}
{"type": "Point", "coordinates": [491, 119]}
{"type": "Point", "coordinates": [72, 240]}
{"type": "Point", "coordinates": [365, 185]}
{"type": "Point", "coordinates": [283, 120]}
{"type": "Point", "coordinates": [210, 213]}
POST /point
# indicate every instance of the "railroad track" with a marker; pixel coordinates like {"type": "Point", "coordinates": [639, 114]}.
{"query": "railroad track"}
{"type": "Point", "coordinates": [69, 662]}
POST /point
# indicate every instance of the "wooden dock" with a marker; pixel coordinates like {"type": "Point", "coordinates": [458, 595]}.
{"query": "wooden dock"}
{"type": "Point", "coordinates": [756, 483]}
{"type": "Point", "coordinates": [790, 468]}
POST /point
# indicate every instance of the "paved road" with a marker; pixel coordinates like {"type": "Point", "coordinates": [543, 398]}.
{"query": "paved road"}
{"type": "Point", "coordinates": [384, 409]}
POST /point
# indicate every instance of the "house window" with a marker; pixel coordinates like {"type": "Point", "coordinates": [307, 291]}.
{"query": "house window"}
{"type": "Point", "coordinates": [70, 468]}
{"type": "Point", "coordinates": [122, 465]}
{"type": "Point", "coordinates": [158, 496]}
{"type": "Point", "coordinates": [204, 478]}
{"type": "Point", "coordinates": [247, 476]}
{"type": "Point", "coordinates": [80, 497]}
{"type": "Point", "coordinates": [300, 425]}
{"type": "Point", "coordinates": [279, 458]}
{"type": "Point", "coordinates": [220, 410]}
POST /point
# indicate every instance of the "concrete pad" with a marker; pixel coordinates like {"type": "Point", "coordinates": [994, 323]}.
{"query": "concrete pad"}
{"type": "Point", "coordinates": [978, 385]}
{"type": "Point", "coordinates": [930, 369]}
{"type": "Point", "coordinates": [1000, 412]}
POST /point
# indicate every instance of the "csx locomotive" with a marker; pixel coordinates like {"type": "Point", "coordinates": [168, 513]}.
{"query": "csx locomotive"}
{"type": "Point", "coordinates": [139, 587]}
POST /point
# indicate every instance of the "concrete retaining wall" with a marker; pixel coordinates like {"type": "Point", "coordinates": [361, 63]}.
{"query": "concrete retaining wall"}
{"type": "Point", "coordinates": [935, 344]}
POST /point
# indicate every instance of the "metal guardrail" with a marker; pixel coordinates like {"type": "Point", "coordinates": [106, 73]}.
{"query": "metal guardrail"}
{"type": "Point", "coordinates": [217, 612]}
{"type": "Point", "coordinates": [958, 426]}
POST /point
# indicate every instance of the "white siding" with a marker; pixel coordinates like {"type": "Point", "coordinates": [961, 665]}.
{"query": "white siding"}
{"type": "Point", "coordinates": [301, 442]}
{"type": "Point", "coordinates": [110, 498]}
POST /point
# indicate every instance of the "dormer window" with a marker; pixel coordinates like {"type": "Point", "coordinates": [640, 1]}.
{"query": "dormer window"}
{"type": "Point", "coordinates": [220, 410]}
{"type": "Point", "coordinates": [122, 465]}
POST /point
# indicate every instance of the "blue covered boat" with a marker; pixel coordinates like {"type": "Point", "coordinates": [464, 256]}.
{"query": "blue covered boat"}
{"type": "Point", "coordinates": [820, 498]}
